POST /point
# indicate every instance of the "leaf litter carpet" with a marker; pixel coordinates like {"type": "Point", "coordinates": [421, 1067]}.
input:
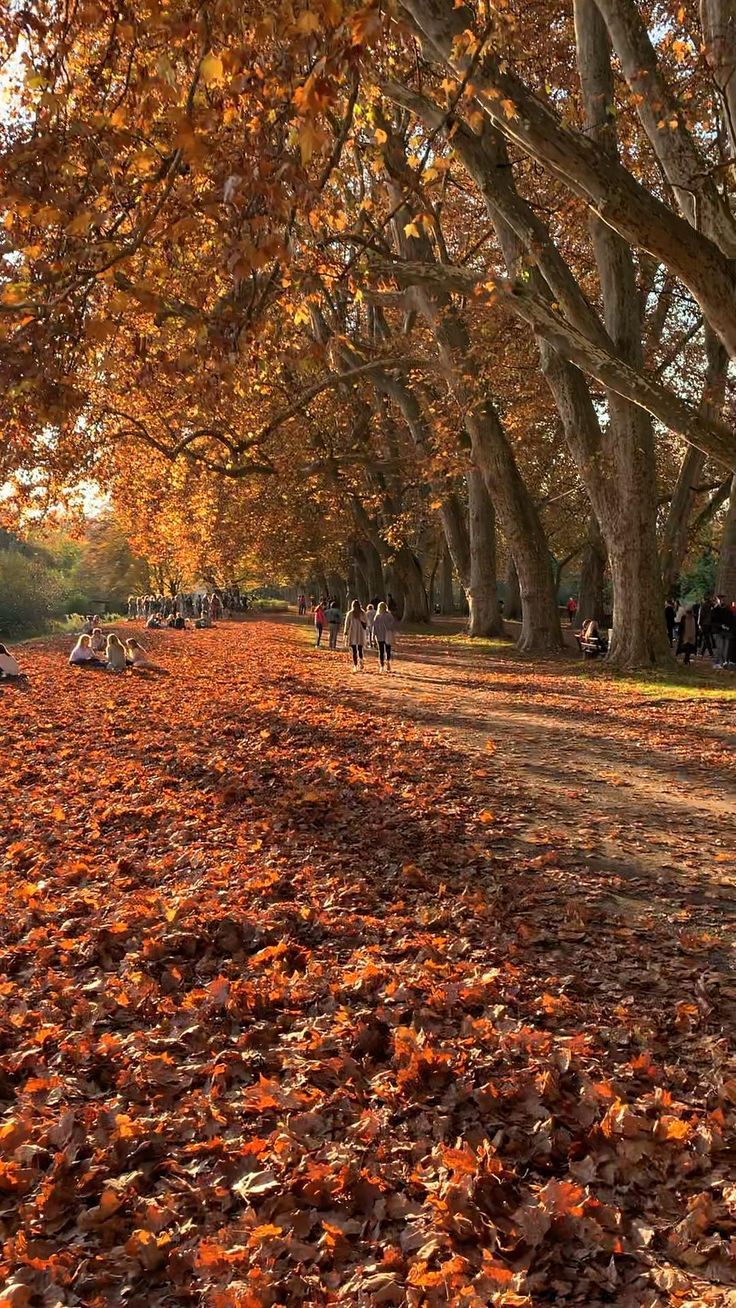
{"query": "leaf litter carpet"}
{"type": "Point", "coordinates": [297, 1009]}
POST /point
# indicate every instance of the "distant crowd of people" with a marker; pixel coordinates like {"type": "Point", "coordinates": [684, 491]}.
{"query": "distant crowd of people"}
{"type": "Point", "coordinates": [375, 627]}
{"type": "Point", "coordinates": [196, 607]}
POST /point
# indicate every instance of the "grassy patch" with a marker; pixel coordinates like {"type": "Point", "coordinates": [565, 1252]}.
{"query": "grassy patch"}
{"type": "Point", "coordinates": [669, 683]}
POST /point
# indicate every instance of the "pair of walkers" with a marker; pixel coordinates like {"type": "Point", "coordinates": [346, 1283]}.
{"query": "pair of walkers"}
{"type": "Point", "coordinates": [383, 630]}
{"type": "Point", "coordinates": [327, 614]}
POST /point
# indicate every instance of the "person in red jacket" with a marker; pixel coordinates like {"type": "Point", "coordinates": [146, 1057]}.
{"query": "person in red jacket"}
{"type": "Point", "coordinates": [320, 621]}
{"type": "Point", "coordinates": [572, 609]}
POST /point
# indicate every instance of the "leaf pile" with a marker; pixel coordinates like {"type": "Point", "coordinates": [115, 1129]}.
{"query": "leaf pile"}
{"type": "Point", "coordinates": [284, 1023]}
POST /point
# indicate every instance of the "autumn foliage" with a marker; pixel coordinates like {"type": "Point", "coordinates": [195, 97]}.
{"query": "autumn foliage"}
{"type": "Point", "coordinates": [291, 1016]}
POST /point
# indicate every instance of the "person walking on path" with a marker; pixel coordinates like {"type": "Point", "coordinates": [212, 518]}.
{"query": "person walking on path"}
{"type": "Point", "coordinates": [688, 637]}
{"type": "Point", "coordinates": [384, 629]}
{"type": "Point", "coordinates": [370, 617]}
{"type": "Point", "coordinates": [572, 610]}
{"type": "Point", "coordinates": [320, 622]}
{"type": "Point", "coordinates": [355, 625]}
{"type": "Point", "coordinates": [334, 618]}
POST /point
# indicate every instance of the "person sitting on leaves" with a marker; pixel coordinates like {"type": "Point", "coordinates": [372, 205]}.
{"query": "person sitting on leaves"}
{"type": "Point", "coordinates": [97, 641]}
{"type": "Point", "coordinates": [116, 661]}
{"type": "Point", "coordinates": [137, 656]}
{"type": "Point", "coordinates": [10, 669]}
{"type": "Point", "coordinates": [83, 656]}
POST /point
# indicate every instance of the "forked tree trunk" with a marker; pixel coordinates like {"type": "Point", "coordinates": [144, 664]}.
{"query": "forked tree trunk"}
{"type": "Point", "coordinates": [726, 576]}
{"type": "Point", "coordinates": [407, 575]}
{"type": "Point", "coordinates": [371, 566]}
{"type": "Point", "coordinates": [482, 590]}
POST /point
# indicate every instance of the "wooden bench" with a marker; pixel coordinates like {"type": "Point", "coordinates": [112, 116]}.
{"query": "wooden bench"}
{"type": "Point", "coordinates": [592, 649]}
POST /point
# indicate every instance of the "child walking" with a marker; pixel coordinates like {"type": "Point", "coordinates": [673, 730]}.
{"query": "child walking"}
{"type": "Point", "coordinates": [370, 617]}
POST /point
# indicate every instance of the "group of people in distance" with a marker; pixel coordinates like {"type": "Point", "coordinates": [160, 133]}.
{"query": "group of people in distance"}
{"type": "Point", "coordinates": [707, 627]}
{"type": "Point", "coordinates": [197, 608]}
{"type": "Point", "coordinates": [96, 650]}
{"type": "Point", "coordinates": [374, 626]}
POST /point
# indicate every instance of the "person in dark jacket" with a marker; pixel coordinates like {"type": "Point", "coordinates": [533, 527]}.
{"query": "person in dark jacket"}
{"type": "Point", "coordinates": [334, 618]}
{"type": "Point", "coordinates": [721, 622]}
{"type": "Point", "coordinates": [705, 626]}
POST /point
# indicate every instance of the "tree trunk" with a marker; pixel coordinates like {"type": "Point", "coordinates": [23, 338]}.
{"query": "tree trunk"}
{"type": "Point", "coordinates": [482, 591]}
{"type": "Point", "coordinates": [455, 527]}
{"type": "Point", "coordinates": [623, 486]}
{"type": "Point", "coordinates": [512, 604]}
{"type": "Point", "coordinates": [639, 637]}
{"type": "Point", "coordinates": [371, 566]}
{"type": "Point", "coordinates": [336, 587]}
{"type": "Point", "coordinates": [447, 599]}
{"type": "Point", "coordinates": [726, 575]}
{"type": "Point", "coordinates": [676, 528]}
{"type": "Point", "coordinates": [491, 449]}
{"type": "Point", "coordinates": [592, 572]}
{"type": "Point", "coordinates": [408, 578]}
{"type": "Point", "coordinates": [675, 532]}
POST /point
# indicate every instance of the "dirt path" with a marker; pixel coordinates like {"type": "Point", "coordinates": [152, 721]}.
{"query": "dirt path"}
{"type": "Point", "coordinates": [640, 794]}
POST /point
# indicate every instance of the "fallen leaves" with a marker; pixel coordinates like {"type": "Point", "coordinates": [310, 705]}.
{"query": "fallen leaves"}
{"type": "Point", "coordinates": [282, 1023]}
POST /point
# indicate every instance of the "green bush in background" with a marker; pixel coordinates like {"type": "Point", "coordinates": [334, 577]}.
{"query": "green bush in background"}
{"type": "Point", "coordinates": [32, 594]}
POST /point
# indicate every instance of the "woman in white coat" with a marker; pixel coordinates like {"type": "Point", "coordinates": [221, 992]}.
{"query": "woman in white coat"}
{"type": "Point", "coordinates": [385, 632]}
{"type": "Point", "coordinates": [83, 656]}
{"type": "Point", "coordinates": [355, 625]}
